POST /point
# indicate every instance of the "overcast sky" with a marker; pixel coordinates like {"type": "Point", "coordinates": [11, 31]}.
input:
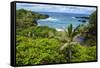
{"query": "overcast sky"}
{"type": "Point", "coordinates": [55, 8]}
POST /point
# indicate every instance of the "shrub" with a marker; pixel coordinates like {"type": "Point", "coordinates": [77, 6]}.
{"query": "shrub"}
{"type": "Point", "coordinates": [83, 53]}
{"type": "Point", "coordinates": [39, 51]}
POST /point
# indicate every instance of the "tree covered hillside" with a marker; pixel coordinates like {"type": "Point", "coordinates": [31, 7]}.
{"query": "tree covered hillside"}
{"type": "Point", "coordinates": [25, 18]}
{"type": "Point", "coordinates": [44, 45]}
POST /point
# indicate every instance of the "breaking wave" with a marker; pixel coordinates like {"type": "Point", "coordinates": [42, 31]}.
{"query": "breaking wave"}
{"type": "Point", "coordinates": [49, 19]}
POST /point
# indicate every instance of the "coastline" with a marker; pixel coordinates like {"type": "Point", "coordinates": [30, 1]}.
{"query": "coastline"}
{"type": "Point", "coordinates": [58, 29]}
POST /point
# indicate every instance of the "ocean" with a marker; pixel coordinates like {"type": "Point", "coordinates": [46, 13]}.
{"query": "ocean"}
{"type": "Point", "coordinates": [60, 21]}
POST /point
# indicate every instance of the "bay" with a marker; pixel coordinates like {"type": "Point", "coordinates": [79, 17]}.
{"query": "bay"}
{"type": "Point", "coordinates": [61, 20]}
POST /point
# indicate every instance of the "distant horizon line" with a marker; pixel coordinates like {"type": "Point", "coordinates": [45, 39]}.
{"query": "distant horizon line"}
{"type": "Point", "coordinates": [61, 12]}
{"type": "Point", "coordinates": [54, 12]}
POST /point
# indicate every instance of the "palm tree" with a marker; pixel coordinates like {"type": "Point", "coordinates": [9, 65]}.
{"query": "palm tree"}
{"type": "Point", "coordinates": [70, 33]}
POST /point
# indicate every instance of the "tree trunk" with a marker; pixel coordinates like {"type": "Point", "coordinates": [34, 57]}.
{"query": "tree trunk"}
{"type": "Point", "coordinates": [69, 53]}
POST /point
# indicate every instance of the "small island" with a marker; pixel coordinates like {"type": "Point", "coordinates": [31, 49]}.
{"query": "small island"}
{"type": "Point", "coordinates": [83, 21]}
{"type": "Point", "coordinates": [83, 17]}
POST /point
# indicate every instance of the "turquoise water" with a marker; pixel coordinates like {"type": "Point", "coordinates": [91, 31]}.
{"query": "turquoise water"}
{"type": "Point", "coordinates": [61, 20]}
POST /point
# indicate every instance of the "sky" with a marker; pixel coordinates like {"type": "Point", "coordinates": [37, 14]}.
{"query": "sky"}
{"type": "Point", "coordinates": [55, 8]}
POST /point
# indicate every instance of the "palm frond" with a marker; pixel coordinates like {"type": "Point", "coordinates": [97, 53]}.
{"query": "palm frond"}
{"type": "Point", "coordinates": [64, 46]}
{"type": "Point", "coordinates": [67, 44]}
{"type": "Point", "coordinates": [75, 34]}
{"type": "Point", "coordinates": [73, 43]}
{"type": "Point", "coordinates": [70, 28]}
{"type": "Point", "coordinates": [76, 31]}
{"type": "Point", "coordinates": [77, 28]}
{"type": "Point", "coordinates": [66, 32]}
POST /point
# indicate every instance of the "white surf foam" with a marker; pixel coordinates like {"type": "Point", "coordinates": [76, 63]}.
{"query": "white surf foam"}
{"type": "Point", "coordinates": [59, 29]}
{"type": "Point", "coordinates": [73, 17]}
{"type": "Point", "coordinates": [49, 19]}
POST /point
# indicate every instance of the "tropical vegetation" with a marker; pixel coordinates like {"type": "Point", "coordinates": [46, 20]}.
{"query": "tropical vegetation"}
{"type": "Point", "coordinates": [44, 45]}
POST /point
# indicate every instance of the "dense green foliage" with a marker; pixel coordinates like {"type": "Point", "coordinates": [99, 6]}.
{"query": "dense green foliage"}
{"type": "Point", "coordinates": [93, 26]}
{"type": "Point", "coordinates": [38, 51]}
{"type": "Point", "coordinates": [41, 44]}
{"type": "Point", "coordinates": [90, 31]}
{"type": "Point", "coordinates": [83, 53]}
